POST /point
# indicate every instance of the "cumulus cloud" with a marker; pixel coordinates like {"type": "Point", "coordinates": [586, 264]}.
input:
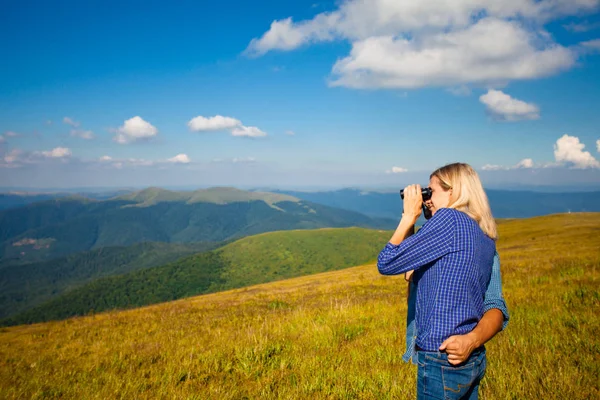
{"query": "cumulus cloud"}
{"type": "Point", "coordinates": [590, 45]}
{"type": "Point", "coordinates": [82, 134]}
{"type": "Point", "coordinates": [410, 44]}
{"type": "Point", "coordinates": [216, 123]}
{"type": "Point", "coordinates": [11, 134]}
{"type": "Point", "coordinates": [72, 122]}
{"type": "Point", "coordinates": [491, 52]}
{"type": "Point", "coordinates": [568, 150]}
{"type": "Point", "coordinates": [180, 158]}
{"type": "Point", "coordinates": [12, 157]}
{"type": "Point", "coordinates": [105, 158]}
{"type": "Point", "coordinates": [396, 170]}
{"type": "Point", "coordinates": [523, 164]}
{"type": "Point", "coordinates": [462, 90]}
{"type": "Point", "coordinates": [249, 131]}
{"type": "Point", "coordinates": [244, 160]}
{"type": "Point", "coordinates": [220, 123]}
{"type": "Point", "coordinates": [598, 145]}
{"type": "Point", "coordinates": [57, 152]}
{"type": "Point", "coordinates": [503, 107]}
{"type": "Point", "coordinates": [133, 130]}
{"type": "Point", "coordinates": [581, 26]}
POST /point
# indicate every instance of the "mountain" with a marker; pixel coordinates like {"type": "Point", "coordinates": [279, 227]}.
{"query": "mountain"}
{"type": "Point", "coordinates": [257, 259]}
{"type": "Point", "coordinates": [57, 227]}
{"type": "Point", "coordinates": [16, 198]}
{"type": "Point", "coordinates": [504, 203]}
{"type": "Point", "coordinates": [334, 335]}
{"type": "Point", "coordinates": [24, 286]}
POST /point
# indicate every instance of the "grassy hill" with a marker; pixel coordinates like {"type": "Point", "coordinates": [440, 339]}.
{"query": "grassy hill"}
{"type": "Point", "coordinates": [55, 228]}
{"type": "Point", "coordinates": [256, 259]}
{"type": "Point", "coordinates": [331, 335]}
{"type": "Point", "coordinates": [25, 286]}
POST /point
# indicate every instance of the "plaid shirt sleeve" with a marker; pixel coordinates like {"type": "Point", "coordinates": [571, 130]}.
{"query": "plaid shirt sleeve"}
{"type": "Point", "coordinates": [493, 294]}
{"type": "Point", "coordinates": [434, 240]}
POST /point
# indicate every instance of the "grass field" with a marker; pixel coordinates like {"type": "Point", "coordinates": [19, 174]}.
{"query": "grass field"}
{"type": "Point", "coordinates": [337, 335]}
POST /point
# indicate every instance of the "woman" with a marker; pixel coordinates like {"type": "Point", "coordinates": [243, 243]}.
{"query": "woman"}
{"type": "Point", "coordinates": [459, 348]}
{"type": "Point", "coordinates": [452, 257]}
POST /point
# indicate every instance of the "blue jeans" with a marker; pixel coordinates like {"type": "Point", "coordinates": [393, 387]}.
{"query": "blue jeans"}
{"type": "Point", "coordinates": [438, 379]}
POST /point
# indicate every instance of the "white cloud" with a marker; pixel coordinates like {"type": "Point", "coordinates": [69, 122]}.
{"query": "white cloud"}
{"type": "Point", "coordinates": [216, 123]}
{"type": "Point", "coordinates": [219, 123]}
{"type": "Point", "coordinates": [70, 121]}
{"type": "Point", "coordinates": [590, 45]}
{"type": "Point", "coordinates": [12, 156]}
{"type": "Point", "coordinates": [244, 160]}
{"type": "Point", "coordinates": [105, 158]}
{"type": "Point", "coordinates": [49, 122]}
{"type": "Point", "coordinates": [581, 27]}
{"type": "Point", "coordinates": [133, 130]}
{"type": "Point", "coordinates": [11, 134]}
{"type": "Point", "coordinates": [290, 133]}
{"type": "Point", "coordinates": [525, 163]}
{"type": "Point", "coordinates": [411, 44]}
{"type": "Point", "coordinates": [569, 150]}
{"type": "Point", "coordinates": [180, 158]}
{"type": "Point", "coordinates": [462, 90]}
{"type": "Point", "coordinates": [598, 145]}
{"type": "Point", "coordinates": [2, 140]}
{"type": "Point", "coordinates": [57, 152]}
{"type": "Point", "coordinates": [493, 167]}
{"type": "Point", "coordinates": [490, 52]}
{"type": "Point", "coordinates": [82, 134]}
{"type": "Point", "coordinates": [249, 131]}
{"type": "Point", "coordinates": [506, 108]}
{"type": "Point", "coordinates": [396, 170]}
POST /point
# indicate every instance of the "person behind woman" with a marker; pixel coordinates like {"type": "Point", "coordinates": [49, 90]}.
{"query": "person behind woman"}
{"type": "Point", "coordinates": [452, 257]}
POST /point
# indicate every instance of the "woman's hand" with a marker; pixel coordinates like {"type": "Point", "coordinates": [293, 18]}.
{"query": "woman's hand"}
{"type": "Point", "coordinates": [413, 200]}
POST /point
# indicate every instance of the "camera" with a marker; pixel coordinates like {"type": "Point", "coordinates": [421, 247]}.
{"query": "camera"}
{"type": "Point", "coordinates": [425, 193]}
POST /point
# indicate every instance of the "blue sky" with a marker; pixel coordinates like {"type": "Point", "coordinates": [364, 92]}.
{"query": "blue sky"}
{"type": "Point", "coordinates": [102, 93]}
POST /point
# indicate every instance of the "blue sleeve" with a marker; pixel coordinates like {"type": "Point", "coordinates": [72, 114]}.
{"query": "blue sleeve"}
{"type": "Point", "coordinates": [493, 295]}
{"type": "Point", "coordinates": [434, 240]}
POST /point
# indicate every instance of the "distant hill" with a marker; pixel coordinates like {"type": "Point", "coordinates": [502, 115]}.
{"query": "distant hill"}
{"type": "Point", "coordinates": [504, 203]}
{"type": "Point", "coordinates": [24, 286]}
{"type": "Point", "coordinates": [256, 259]}
{"type": "Point", "coordinates": [57, 227]}
{"type": "Point", "coordinates": [14, 199]}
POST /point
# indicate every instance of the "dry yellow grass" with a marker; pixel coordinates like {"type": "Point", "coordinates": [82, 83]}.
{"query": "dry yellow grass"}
{"type": "Point", "coordinates": [336, 335]}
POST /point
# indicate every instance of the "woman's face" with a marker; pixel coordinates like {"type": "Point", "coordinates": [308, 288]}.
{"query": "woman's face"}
{"type": "Point", "coordinates": [440, 198]}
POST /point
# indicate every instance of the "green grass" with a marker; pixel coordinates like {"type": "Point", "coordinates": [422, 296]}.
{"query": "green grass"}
{"type": "Point", "coordinates": [256, 259]}
{"type": "Point", "coordinates": [335, 335]}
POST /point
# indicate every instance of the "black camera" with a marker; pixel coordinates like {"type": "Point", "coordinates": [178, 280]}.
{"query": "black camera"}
{"type": "Point", "coordinates": [425, 193]}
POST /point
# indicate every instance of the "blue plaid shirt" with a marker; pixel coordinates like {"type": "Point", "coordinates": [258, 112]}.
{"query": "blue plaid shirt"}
{"type": "Point", "coordinates": [452, 259]}
{"type": "Point", "coordinates": [493, 299]}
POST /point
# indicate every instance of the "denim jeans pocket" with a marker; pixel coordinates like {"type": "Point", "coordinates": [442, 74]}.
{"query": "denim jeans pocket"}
{"type": "Point", "coordinates": [458, 380]}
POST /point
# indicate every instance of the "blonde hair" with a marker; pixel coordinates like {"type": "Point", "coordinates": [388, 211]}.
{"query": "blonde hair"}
{"type": "Point", "coordinates": [468, 195]}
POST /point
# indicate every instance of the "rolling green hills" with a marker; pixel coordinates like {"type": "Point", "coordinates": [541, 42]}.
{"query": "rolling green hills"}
{"type": "Point", "coordinates": [334, 335]}
{"type": "Point", "coordinates": [256, 259]}
{"type": "Point", "coordinates": [25, 286]}
{"type": "Point", "coordinates": [58, 227]}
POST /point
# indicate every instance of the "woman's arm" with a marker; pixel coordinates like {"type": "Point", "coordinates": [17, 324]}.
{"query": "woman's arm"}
{"type": "Point", "coordinates": [434, 240]}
